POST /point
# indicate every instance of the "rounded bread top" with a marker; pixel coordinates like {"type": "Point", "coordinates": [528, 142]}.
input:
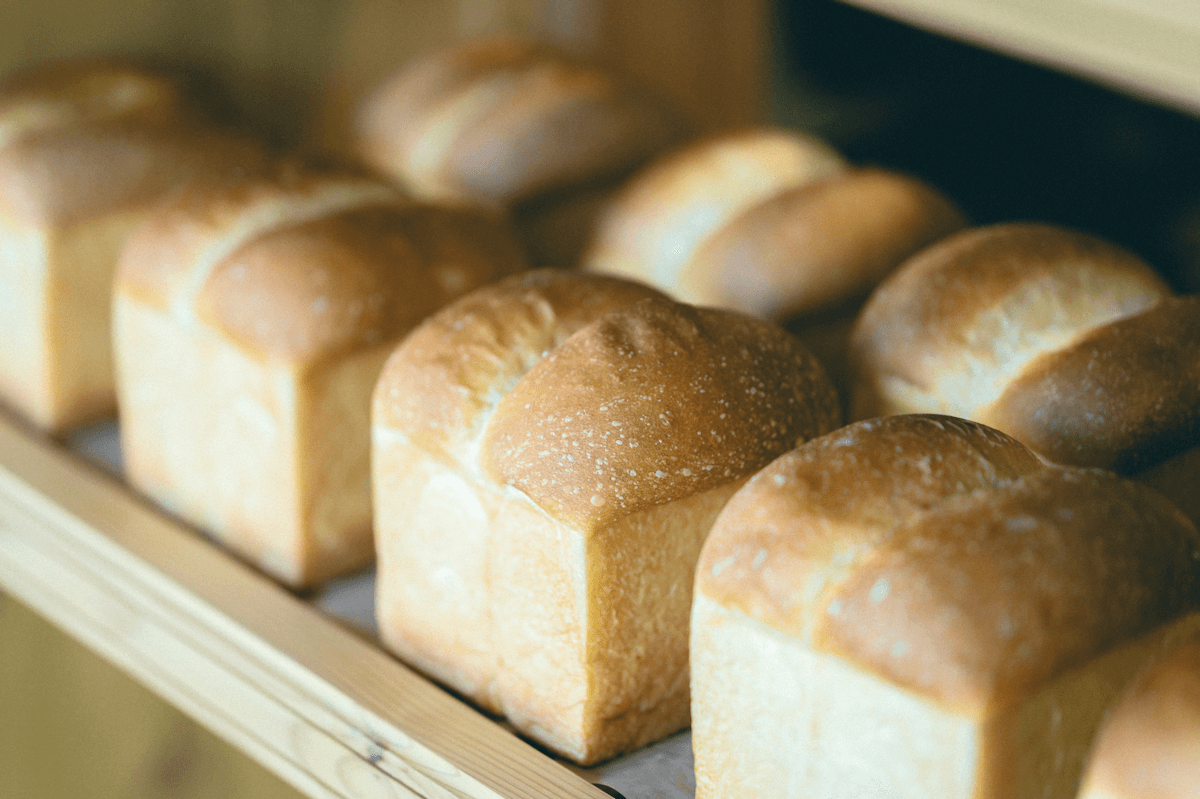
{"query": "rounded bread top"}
{"type": "Point", "coordinates": [1125, 397]}
{"type": "Point", "coordinates": [170, 256]}
{"type": "Point", "coordinates": [503, 119]}
{"type": "Point", "coordinates": [946, 557]}
{"type": "Point", "coordinates": [1149, 744]}
{"type": "Point", "coordinates": [669, 208]}
{"type": "Point", "coordinates": [356, 278]}
{"type": "Point", "coordinates": [298, 262]}
{"type": "Point", "coordinates": [651, 403]}
{"type": "Point", "coordinates": [66, 175]}
{"type": "Point", "coordinates": [442, 384]}
{"type": "Point", "coordinates": [956, 323]}
{"type": "Point", "coordinates": [819, 245]}
{"type": "Point", "coordinates": [86, 90]}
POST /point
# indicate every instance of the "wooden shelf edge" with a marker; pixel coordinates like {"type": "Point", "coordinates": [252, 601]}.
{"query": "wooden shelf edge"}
{"type": "Point", "coordinates": [322, 708]}
{"type": "Point", "coordinates": [1149, 48]}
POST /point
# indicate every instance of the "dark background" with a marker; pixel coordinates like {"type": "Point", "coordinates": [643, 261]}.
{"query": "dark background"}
{"type": "Point", "coordinates": [1006, 139]}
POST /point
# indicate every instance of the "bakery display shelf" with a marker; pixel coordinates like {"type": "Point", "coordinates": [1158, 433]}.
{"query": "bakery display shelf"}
{"type": "Point", "coordinates": [1149, 48]}
{"type": "Point", "coordinates": [309, 697]}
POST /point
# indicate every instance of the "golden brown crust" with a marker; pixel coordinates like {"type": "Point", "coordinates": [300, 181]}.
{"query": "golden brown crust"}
{"type": "Point", "coordinates": [947, 330]}
{"type": "Point", "coordinates": [353, 279]}
{"type": "Point", "coordinates": [199, 227]}
{"type": "Point", "coordinates": [565, 127]}
{"type": "Point", "coordinates": [1124, 398]}
{"type": "Point", "coordinates": [1149, 747]}
{"type": "Point", "coordinates": [80, 137]}
{"type": "Point", "coordinates": [821, 244]}
{"type": "Point", "coordinates": [1074, 563]}
{"type": "Point", "coordinates": [441, 385]}
{"type": "Point", "coordinates": [845, 491]}
{"type": "Point", "coordinates": [942, 556]}
{"type": "Point", "coordinates": [390, 120]}
{"type": "Point", "coordinates": [671, 206]}
{"type": "Point", "coordinates": [65, 175]}
{"type": "Point", "coordinates": [652, 403]}
{"type": "Point", "coordinates": [502, 120]}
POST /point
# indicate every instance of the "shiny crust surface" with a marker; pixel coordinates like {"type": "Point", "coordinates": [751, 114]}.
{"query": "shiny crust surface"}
{"type": "Point", "coordinates": [669, 208]}
{"type": "Point", "coordinates": [301, 263]}
{"type": "Point", "coordinates": [653, 403]}
{"type": "Point", "coordinates": [353, 279]}
{"type": "Point", "coordinates": [225, 210]}
{"type": "Point", "coordinates": [954, 324]}
{"type": "Point", "coordinates": [822, 243]}
{"type": "Point", "coordinates": [945, 557]}
{"type": "Point", "coordinates": [1125, 398]}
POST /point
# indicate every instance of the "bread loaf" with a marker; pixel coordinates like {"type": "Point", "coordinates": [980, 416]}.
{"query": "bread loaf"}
{"type": "Point", "coordinates": [773, 223]}
{"type": "Point", "coordinates": [85, 148]}
{"type": "Point", "coordinates": [1071, 345]}
{"type": "Point", "coordinates": [252, 317]}
{"type": "Point", "coordinates": [549, 453]}
{"type": "Point", "coordinates": [517, 124]}
{"type": "Point", "coordinates": [1149, 746]}
{"type": "Point", "coordinates": [918, 606]}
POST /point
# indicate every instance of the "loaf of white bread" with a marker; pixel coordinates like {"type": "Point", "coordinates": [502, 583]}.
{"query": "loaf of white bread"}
{"type": "Point", "coordinates": [770, 222]}
{"type": "Point", "coordinates": [1068, 343]}
{"type": "Point", "coordinates": [1149, 746]}
{"type": "Point", "coordinates": [251, 318]}
{"type": "Point", "coordinates": [86, 147]}
{"type": "Point", "coordinates": [918, 606]}
{"type": "Point", "coordinates": [518, 124]}
{"type": "Point", "coordinates": [548, 455]}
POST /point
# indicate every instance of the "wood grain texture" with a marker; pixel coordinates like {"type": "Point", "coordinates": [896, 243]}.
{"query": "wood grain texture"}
{"type": "Point", "coordinates": [1149, 48]}
{"type": "Point", "coordinates": [74, 725]}
{"type": "Point", "coordinates": [319, 706]}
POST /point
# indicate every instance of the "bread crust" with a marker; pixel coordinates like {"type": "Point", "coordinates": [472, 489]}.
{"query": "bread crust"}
{"type": "Point", "coordinates": [200, 228]}
{"type": "Point", "coordinates": [653, 403]}
{"type": "Point", "coordinates": [948, 330]}
{"type": "Point", "coordinates": [441, 386]}
{"type": "Point", "coordinates": [670, 207]}
{"type": "Point", "coordinates": [1124, 397]}
{"type": "Point", "coordinates": [821, 245]}
{"type": "Point", "coordinates": [504, 119]}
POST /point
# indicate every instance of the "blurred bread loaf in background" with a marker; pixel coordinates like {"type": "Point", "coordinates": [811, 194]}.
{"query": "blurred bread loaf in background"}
{"type": "Point", "coordinates": [87, 146]}
{"type": "Point", "coordinates": [1074, 346]}
{"type": "Point", "coordinates": [516, 124]}
{"type": "Point", "coordinates": [252, 317]}
{"type": "Point", "coordinates": [771, 222]}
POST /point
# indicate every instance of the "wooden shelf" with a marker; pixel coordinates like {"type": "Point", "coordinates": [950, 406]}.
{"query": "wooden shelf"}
{"type": "Point", "coordinates": [1150, 48]}
{"type": "Point", "coordinates": [321, 706]}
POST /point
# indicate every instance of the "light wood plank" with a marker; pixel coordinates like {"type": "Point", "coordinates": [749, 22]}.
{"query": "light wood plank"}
{"type": "Point", "coordinates": [324, 709]}
{"type": "Point", "coordinates": [1150, 48]}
